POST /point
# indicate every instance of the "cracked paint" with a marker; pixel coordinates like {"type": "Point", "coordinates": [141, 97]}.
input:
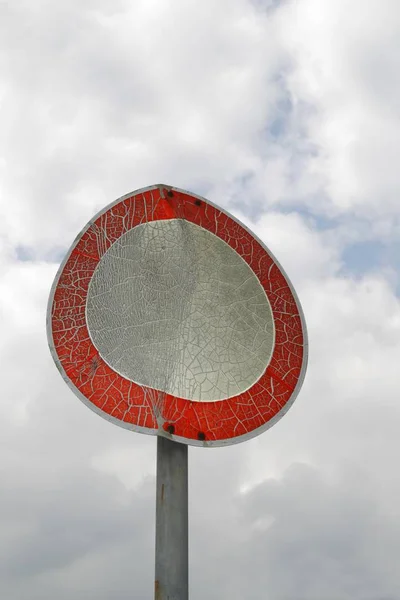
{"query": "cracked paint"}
{"type": "Point", "coordinates": [173, 307]}
{"type": "Point", "coordinates": [169, 315]}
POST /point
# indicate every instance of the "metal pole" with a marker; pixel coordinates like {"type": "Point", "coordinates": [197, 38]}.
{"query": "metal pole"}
{"type": "Point", "coordinates": [171, 572]}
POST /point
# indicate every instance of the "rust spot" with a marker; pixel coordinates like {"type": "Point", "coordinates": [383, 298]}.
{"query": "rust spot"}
{"type": "Point", "coordinates": [197, 202]}
{"type": "Point", "coordinates": [170, 193]}
{"type": "Point", "coordinates": [157, 591]}
{"type": "Point", "coordinates": [201, 436]}
{"type": "Point", "coordinates": [162, 493]}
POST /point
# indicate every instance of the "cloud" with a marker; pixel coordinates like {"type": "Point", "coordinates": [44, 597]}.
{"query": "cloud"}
{"type": "Point", "coordinates": [344, 65]}
{"type": "Point", "coordinates": [108, 102]}
{"type": "Point", "coordinates": [286, 114]}
{"type": "Point", "coordinates": [306, 537]}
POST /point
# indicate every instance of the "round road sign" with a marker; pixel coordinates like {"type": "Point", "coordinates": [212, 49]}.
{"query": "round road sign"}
{"type": "Point", "coordinates": [169, 317]}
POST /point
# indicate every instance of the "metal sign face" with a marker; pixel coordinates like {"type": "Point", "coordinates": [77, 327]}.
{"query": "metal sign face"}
{"type": "Point", "coordinates": [169, 317]}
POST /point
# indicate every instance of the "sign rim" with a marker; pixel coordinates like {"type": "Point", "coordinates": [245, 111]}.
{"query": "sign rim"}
{"type": "Point", "coordinates": [160, 431]}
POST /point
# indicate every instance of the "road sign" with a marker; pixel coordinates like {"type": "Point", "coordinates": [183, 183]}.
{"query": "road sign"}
{"type": "Point", "coordinates": [168, 316]}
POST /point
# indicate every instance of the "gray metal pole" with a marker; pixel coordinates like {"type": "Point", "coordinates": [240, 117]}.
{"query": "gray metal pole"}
{"type": "Point", "coordinates": [172, 572]}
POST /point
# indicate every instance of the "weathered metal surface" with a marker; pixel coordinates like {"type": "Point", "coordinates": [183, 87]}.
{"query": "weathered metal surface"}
{"type": "Point", "coordinates": [171, 563]}
{"type": "Point", "coordinates": [169, 317]}
{"type": "Point", "coordinates": [173, 307]}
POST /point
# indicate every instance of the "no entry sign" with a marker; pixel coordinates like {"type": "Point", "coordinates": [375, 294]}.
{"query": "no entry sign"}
{"type": "Point", "coordinates": [168, 316]}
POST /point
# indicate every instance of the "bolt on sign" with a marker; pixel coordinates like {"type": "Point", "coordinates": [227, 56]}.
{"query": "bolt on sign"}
{"type": "Point", "coordinates": [169, 317]}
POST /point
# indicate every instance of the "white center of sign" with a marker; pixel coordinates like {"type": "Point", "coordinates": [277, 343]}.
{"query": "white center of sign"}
{"type": "Point", "coordinates": [173, 307]}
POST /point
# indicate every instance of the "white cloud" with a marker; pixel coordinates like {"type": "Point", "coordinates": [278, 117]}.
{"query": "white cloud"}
{"type": "Point", "coordinates": [113, 101]}
{"type": "Point", "coordinates": [286, 113]}
{"type": "Point", "coordinates": [344, 67]}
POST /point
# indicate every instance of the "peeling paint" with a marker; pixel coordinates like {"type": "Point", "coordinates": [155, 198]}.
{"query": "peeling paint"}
{"type": "Point", "coordinates": [93, 372]}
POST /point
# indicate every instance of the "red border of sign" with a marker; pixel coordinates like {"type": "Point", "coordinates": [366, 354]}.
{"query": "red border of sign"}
{"type": "Point", "coordinates": [132, 406]}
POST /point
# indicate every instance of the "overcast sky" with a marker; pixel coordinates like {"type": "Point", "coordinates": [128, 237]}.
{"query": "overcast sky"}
{"type": "Point", "coordinates": [288, 115]}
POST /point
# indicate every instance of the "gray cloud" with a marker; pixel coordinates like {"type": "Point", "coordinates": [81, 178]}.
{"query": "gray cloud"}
{"type": "Point", "coordinates": [319, 539]}
{"type": "Point", "coordinates": [288, 117]}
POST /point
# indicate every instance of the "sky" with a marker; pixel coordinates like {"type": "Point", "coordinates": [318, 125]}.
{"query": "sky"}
{"type": "Point", "coordinates": [285, 113]}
